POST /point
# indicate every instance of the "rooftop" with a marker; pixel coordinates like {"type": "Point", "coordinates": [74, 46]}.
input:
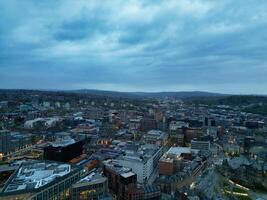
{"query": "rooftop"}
{"type": "Point", "coordinates": [236, 162]}
{"type": "Point", "coordinates": [34, 175]}
{"type": "Point", "coordinates": [127, 174]}
{"type": "Point", "coordinates": [181, 150]}
{"type": "Point", "coordinates": [63, 142]}
{"type": "Point", "coordinates": [155, 132]}
{"type": "Point", "coordinates": [115, 166]}
{"type": "Point", "coordinates": [92, 178]}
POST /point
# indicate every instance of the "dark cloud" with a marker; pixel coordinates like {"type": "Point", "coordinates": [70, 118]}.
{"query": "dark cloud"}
{"type": "Point", "coordinates": [134, 45]}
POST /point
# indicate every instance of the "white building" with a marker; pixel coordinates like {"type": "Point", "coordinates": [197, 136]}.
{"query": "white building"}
{"type": "Point", "coordinates": [143, 162]}
{"type": "Point", "coordinates": [174, 125]}
{"type": "Point", "coordinates": [32, 123]}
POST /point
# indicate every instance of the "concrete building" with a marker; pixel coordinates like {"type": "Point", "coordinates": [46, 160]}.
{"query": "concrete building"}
{"type": "Point", "coordinates": [41, 180]}
{"type": "Point", "coordinates": [92, 186]}
{"type": "Point", "coordinates": [155, 137]}
{"type": "Point", "coordinates": [200, 145]}
{"type": "Point", "coordinates": [122, 181]}
{"type": "Point", "coordinates": [148, 124]}
{"type": "Point", "coordinates": [143, 161]}
{"type": "Point", "coordinates": [172, 160]}
{"type": "Point", "coordinates": [174, 125]}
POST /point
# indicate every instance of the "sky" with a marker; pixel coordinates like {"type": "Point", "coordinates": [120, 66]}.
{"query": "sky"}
{"type": "Point", "coordinates": [141, 45]}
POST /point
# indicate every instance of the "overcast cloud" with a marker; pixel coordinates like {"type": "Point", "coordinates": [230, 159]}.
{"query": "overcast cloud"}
{"type": "Point", "coordinates": [149, 45]}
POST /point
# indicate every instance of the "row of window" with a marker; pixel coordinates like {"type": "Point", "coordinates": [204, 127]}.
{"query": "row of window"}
{"type": "Point", "coordinates": [58, 191]}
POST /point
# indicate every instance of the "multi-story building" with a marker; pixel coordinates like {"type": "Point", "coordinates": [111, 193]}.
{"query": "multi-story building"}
{"type": "Point", "coordinates": [92, 186]}
{"type": "Point", "coordinates": [155, 137]}
{"type": "Point", "coordinates": [63, 150]}
{"type": "Point", "coordinates": [41, 180]}
{"type": "Point", "coordinates": [148, 124]}
{"type": "Point", "coordinates": [5, 137]}
{"type": "Point", "coordinates": [174, 125]}
{"type": "Point", "coordinates": [151, 193]}
{"type": "Point", "coordinates": [200, 145]}
{"type": "Point", "coordinates": [143, 161]}
{"type": "Point", "coordinates": [121, 181]}
{"type": "Point", "coordinates": [248, 143]}
{"type": "Point", "coordinates": [19, 141]}
{"type": "Point", "coordinates": [172, 161]}
{"type": "Point", "coordinates": [191, 133]}
{"type": "Point", "coordinates": [123, 184]}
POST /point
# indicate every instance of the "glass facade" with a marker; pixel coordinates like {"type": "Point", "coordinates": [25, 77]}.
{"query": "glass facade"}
{"type": "Point", "coordinates": [59, 191]}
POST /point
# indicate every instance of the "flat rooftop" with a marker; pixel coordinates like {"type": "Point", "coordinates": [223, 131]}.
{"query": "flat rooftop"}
{"type": "Point", "coordinates": [127, 174]}
{"type": "Point", "coordinates": [115, 166]}
{"type": "Point", "coordinates": [91, 179]}
{"type": "Point", "coordinates": [34, 175]}
{"type": "Point", "coordinates": [180, 150]}
{"type": "Point", "coordinates": [63, 142]}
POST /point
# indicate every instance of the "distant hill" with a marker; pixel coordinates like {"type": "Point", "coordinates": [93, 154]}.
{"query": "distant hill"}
{"type": "Point", "coordinates": [256, 104]}
{"type": "Point", "coordinates": [232, 100]}
{"type": "Point", "coordinates": [115, 94]}
{"type": "Point", "coordinates": [183, 94]}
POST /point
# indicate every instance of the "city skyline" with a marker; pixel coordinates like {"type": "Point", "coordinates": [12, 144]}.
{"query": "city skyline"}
{"type": "Point", "coordinates": [135, 46]}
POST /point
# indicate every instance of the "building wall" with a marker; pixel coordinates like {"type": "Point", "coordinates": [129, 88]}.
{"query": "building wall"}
{"type": "Point", "coordinates": [89, 191]}
{"type": "Point", "coordinates": [4, 141]}
{"type": "Point", "coordinates": [143, 169]}
{"type": "Point", "coordinates": [166, 168]}
{"type": "Point", "coordinates": [138, 167]}
{"type": "Point", "coordinates": [200, 145]}
{"type": "Point", "coordinates": [59, 190]}
{"type": "Point", "coordinates": [63, 154]}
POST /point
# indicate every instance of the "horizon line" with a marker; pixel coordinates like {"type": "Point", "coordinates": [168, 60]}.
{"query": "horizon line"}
{"type": "Point", "coordinates": [117, 91]}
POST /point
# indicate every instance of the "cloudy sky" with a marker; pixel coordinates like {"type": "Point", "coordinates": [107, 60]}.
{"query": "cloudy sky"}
{"type": "Point", "coordinates": [148, 45]}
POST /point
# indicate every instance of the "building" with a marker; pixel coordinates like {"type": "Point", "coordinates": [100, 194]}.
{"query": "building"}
{"type": "Point", "coordinates": [13, 141]}
{"type": "Point", "coordinates": [172, 161]}
{"type": "Point", "coordinates": [3, 104]}
{"type": "Point", "coordinates": [174, 125]}
{"type": "Point", "coordinates": [19, 141]}
{"type": "Point", "coordinates": [248, 143]}
{"type": "Point", "coordinates": [254, 124]}
{"type": "Point", "coordinates": [191, 133]}
{"type": "Point", "coordinates": [5, 137]}
{"type": "Point", "coordinates": [247, 172]}
{"type": "Point", "coordinates": [134, 124]}
{"type": "Point", "coordinates": [151, 193]}
{"type": "Point", "coordinates": [63, 150]}
{"type": "Point", "coordinates": [212, 131]}
{"type": "Point", "coordinates": [200, 145]}
{"type": "Point", "coordinates": [38, 122]}
{"type": "Point", "coordinates": [41, 180]}
{"type": "Point", "coordinates": [142, 160]}
{"type": "Point", "coordinates": [92, 186]}
{"type": "Point", "coordinates": [155, 137]}
{"type": "Point", "coordinates": [121, 181]}
{"type": "Point", "coordinates": [148, 124]}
